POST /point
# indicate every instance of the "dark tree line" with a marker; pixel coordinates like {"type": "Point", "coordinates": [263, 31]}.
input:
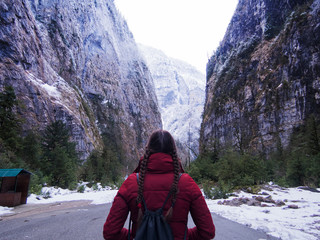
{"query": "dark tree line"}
{"type": "Point", "coordinates": [50, 154]}
{"type": "Point", "coordinates": [296, 165]}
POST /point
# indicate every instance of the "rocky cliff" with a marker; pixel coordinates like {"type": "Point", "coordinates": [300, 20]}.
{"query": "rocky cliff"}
{"type": "Point", "coordinates": [78, 62]}
{"type": "Point", "coordinates": [180, 89]}
{"type": "Point", "coordinates": [264, 79]}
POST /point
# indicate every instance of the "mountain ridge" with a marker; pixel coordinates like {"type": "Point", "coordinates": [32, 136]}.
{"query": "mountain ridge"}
{"type": "Point", "coordinates": [180, 89]}
{"type": "Point", "coordinates": [263, 80]}
{"type": "Point", "coordinates": [78, 62]}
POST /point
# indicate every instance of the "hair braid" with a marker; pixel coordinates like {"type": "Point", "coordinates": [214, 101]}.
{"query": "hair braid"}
{"type": "Point", "coordinates": [174, 186]}
{"type": "Point", "coordinates": [142, 173]}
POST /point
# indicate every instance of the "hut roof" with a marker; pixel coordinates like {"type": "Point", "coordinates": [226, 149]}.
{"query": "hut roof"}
{"type": "Point", "coordinates": [13, 172]}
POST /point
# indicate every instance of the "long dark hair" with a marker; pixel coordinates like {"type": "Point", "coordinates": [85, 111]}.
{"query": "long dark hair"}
{"type": "Point", "coordinates": [159, 141]}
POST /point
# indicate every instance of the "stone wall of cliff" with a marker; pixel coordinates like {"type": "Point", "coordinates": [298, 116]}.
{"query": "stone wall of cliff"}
{"type": "Point", "coordinates": [78, 62]}
{"type": "Point", "coordinates": [264, 79]}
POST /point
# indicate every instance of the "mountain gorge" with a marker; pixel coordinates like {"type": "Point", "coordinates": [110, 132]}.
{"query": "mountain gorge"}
{"type": "Point", "coordinates": [263, 80]}
{"type": "Point", "coordinates": [180, 89]}
{"type": "Point", "coordinates": [78, 62]}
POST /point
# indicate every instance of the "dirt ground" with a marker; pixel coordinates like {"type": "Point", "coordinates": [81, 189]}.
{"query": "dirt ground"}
{"type": "Point", "coordinates": [26, 210]}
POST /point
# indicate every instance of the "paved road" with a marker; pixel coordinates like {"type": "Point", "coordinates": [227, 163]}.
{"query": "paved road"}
{"type": "Point", "coordinates": [78, 220]}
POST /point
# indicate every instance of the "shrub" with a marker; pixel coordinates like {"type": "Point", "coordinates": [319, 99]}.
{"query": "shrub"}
{"type": "Point", "coordinates": [208, 189]}
{"type": "Point", "coordinates": [218, 191]}
{"type": "Point", "coordinates": [46, 195]}
{"type": "Point", "coordinates": [35, 189]}
{"type": "Point", "coordinates": [95, 187]}
{"type": "Point", "coordinates": [282, 182]}
{"type": "Point", "coordinates": [194, 172]}
{"type": "Point", "coordinates": [36, 183]}
{"type": "Point", "coordinates": [239, 170]}
{"type": "Point", "coordinates": [81, 189]}
{"type": "Point", "coordinates": [222, 191]}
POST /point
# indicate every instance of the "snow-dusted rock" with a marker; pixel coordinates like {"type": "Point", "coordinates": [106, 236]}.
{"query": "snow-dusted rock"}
{"type": "Point", "coordinates": [78, 62]}
{"type": "Point", "coordinates": [180, 89]}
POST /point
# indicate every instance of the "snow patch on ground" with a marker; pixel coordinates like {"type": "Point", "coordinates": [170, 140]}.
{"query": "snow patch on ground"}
{"type": "Point", "coordinates": [282, 222]}
{"type": "Point", "coordinates": [5, 210]}
{"type": "Point", "coordinates": [98, 195]}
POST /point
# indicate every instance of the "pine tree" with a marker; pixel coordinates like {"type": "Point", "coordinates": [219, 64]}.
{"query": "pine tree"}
{"type": "Point", "coordinates": [296, 169]}
{"type": "Point", "coordinates": [111, 162]}
{"type": "Point", "coordinates": [312, 135]}
{"type": "Point", "coordinates": [93, 168]}
{"type": "Point", "coordinates": [10, 140]}
{"type": "Point", "coordinates": [31, 150]}
{"type": "Point", "coordinates": [104, 166]}
{"type": "Point", "coordinates": [312, 170]}
{"type": "Point", "coordinates": [9, 123]}
{"type": "Point", "coordinates": [60, 159]}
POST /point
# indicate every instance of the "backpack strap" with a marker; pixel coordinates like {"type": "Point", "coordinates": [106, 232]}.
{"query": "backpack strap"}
{"type": "Point", "coordinates": [165, 201]}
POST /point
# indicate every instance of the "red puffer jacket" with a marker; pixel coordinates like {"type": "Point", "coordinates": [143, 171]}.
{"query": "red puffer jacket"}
{"type": "Point", "coordinates": [158, 180]}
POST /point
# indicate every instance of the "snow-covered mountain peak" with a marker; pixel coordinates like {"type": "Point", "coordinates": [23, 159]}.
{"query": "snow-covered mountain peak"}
{"type": "Point", "coordinates": [180, 89]}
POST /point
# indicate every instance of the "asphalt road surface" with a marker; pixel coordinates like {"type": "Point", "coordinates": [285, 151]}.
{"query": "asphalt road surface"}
{"type": "Point", "coordinates": [80, 220]}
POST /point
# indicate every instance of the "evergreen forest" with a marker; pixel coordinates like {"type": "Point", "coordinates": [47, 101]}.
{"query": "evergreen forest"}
{"type": "Point", "coordinates": [50, 155]}
{"type": "Point", "coordinates": [229, 167]}
{"type": "Point", "coordinates": [52, 158]}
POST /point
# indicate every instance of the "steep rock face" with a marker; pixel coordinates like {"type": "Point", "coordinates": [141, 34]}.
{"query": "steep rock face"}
{"type": "Point", "coordinates": [180, 89]}
{"type": "Point", "coordinates": [264, 79]}
{"type": "Point", "coordinates": [78, 62]}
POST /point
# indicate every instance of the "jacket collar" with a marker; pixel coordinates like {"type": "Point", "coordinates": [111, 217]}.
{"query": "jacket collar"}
{"type": "Point", "coordinates": [159, 163]}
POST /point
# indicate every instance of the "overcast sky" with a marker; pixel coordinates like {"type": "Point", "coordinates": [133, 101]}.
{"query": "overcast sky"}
{"type": "Point", "coordinates": [189, 30]}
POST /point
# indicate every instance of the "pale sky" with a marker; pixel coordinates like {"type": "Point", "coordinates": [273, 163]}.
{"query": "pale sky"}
{"type": "Point", "coordinates": [189, 30]}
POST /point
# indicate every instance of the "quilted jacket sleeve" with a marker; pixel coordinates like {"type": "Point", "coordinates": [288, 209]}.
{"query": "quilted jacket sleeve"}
{"type": "Point", "coordinates": [113, 227]}
{"type": "Point", "coordinates": [201, 216]}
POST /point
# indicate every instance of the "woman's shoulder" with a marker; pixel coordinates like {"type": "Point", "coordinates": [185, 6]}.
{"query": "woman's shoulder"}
{"type": "Point", "coordinates": [186, 183]}
{"type": "Point", "coordinates": [131, 179]}
{"type": "Point", "coordinates": [185, 177]}
{"type": "Point", "coordinates": [129, 185]}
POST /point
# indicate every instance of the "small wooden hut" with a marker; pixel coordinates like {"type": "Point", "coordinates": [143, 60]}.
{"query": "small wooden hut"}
{"type": "Point", "coordinates": [14, 186]}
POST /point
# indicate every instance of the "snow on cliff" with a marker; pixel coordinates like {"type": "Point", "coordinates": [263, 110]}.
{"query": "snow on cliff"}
{"type": "Point", "coordinates": [180, 89]}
